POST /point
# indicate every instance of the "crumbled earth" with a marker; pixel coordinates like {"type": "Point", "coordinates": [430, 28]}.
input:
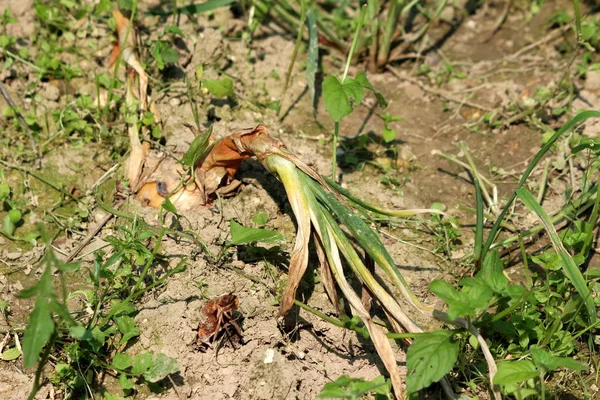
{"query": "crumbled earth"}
{"type": "Point", "coordinates": [271, 364]}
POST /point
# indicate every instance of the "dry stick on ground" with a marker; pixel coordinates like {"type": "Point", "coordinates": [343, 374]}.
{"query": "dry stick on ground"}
{"type": "Point", "coordinates": [439, 93]}
{"type": "Point", "coordinates": [499, 22]}
{"type": "Point", "coordinates": [93, 233]}
{"type": "Point", "coordinates": [12, 105]}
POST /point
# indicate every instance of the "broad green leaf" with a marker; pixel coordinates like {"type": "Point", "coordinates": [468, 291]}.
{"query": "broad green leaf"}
{"type": "Point", "coordinates": [142, 363]}
{"type": "Point", "coordinates": [164, 53]}
{"type": "Point", "coordinates": [8, 226]}
{"type": "Point", "coordinates": [511, 372]}
{"type": "Point", "coordinates": [312, 64]}
{"type": "Point", "coordinates": [97, 338]}
{"type": "Point", "coordinates": [127, 327]}
{"type": "Point", "coordinates": [160, 368]}
{"type": "Point", "coordinates": [197, 149]}
{"type": "Point", "coordinates": [4, 191]}
{"type": "Point", "coordinates": [121, 361]}
{"type": "Point", "coordinates": [260, 219]}
{"type": "Point", "coordinates": [80, 332]}
{"type": "Point", "coordinates": [362, 80]}
{"type": "Point", "coordinates": [346, 387]}
{"type": "Point", "coordinates": [167, 205]}
{"type": "Point", "coordinates": [11, 354]}
{"type": "Point", "coordinates": [549, 362]}
{"type": "Point", "coordinates": [126, 383]}
{"type": "Point", "coordinates": [38, 332]}
{"type": "Point", "coordinates": [14, 215]}
{"type": "Point", "coordinates": [431, 356]}
{"type": "Point", "coordinates": [457, 307]}
{"type": "Point", "coordinates": [388, 135]}
{"type": "Point", "coordinates": [219, 87]}
{"type": "Point", "coordinates": [173, 29]}
{"type": "Point", "coordinates": [242, 235]}
{"type": "Point", "coordinates": [569, 267]}
{"type": "Point", "coordinates": [341, 97]}
{"type": "Point", "coordinates": [492, 272]}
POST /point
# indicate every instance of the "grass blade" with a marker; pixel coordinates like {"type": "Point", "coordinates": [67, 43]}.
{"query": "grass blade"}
{"type": "Point", "coordinates": [312, 65]}
{"type": "Point", "coordinates": [570, 268]}
{"type": "Point", "coordinates": [373, 208]}
{"type": "Point", "coordinates": [289, 176]}
{"type": "Point", "coordinates": [479, 222]}
{"type": "Point", "coordinates": [365, 236]}
{"type": "Point", "coordinates": [579, 118]}
{"type": "Point", "coordinates": [192, 9]}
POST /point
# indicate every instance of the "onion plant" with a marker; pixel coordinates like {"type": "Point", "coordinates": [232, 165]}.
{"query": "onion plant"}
{"type": "Point", "coordinates": [324, 214]}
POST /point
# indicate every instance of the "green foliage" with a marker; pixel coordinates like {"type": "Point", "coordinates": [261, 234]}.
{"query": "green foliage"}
{"type": "Point", "coordinates": [222, 87]}
{"type": "Point", "coordinates": [431, 356]}
{"type": "Point", "coordinates": [346, 387]}
{"type": "Point", "coordinates": [164, 54]}
{"type": "Point", "coordinates": [242, 235]}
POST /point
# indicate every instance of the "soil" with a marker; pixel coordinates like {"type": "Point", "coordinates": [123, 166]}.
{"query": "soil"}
{"type": "Point", "coordinates": [271, 364]}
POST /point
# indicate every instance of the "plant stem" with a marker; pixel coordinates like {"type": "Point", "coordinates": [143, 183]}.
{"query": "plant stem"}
{"type": "Point", "coordinates": [41, 365]}
{"type": "Point", "coordinates": [361, 18]}
{"type": "Point", "coordinates": [288, 75]}
{"type": "Point", "coordinates": [336, 132]}
{"type": "Point", "coordinates": [388, 33]}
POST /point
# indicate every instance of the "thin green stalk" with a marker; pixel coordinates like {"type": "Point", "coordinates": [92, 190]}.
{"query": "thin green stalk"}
{"type": "Point", "coordinates": [577, 21]}
{"type": "Point", "coordinates": [288, 75]}
{"type": "Point", "coordinates": [41, 365]}
{"type": "Point", "coordinates": [119, 58]}
{"type": "Point", "coordinates": [388, 31]}
{"type": "Point", "coordinates": [361, 19]}
{"type": "Point", "coordinates": [336, 132]}
{"type": "Point", "coordinates": [579, 118]}
{"type": "Point", "coordinates": [589, 239]}
{"type": "Point", "coordinates": [478, 223]}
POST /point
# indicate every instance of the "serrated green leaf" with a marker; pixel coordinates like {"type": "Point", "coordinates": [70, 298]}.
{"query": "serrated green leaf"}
{"type": "Point", "coordinates": [511, 372]}
{"type": "Point", "coordinates": [492, 272]}
{"type": "Point", "coordinates": [341, 97]}
{"type": "Point", "coordinates": [242, 235]}
{"type": "Point", "coordinates": [11, 354]}
{"type": "Point", "coordinates": [160, 368]}
{"type": "Point", "coordinates": [549, 362]}
{"type": "Point", "coordinates": [456, 304]}
{"type": "Point", "coordinates": [121, 361]}
{"type": "Point", "coordinates": [219, 87]}
{"type": "Point", "coordinates": [431, 356]}
{"type": "Point", "coordinates": [38, 332]}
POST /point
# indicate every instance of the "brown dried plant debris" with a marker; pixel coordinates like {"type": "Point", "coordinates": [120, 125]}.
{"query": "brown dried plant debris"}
{"type": "Point", "coordinates": [219, 315]}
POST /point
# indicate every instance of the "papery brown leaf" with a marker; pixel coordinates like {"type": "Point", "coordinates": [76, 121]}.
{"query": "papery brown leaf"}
{"type": "Point", "coordinates": [325, 272]}
{"type": "Point", "coordinates": [218, 313]}
{"type": "Point", "coordinates": [127, 34]}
